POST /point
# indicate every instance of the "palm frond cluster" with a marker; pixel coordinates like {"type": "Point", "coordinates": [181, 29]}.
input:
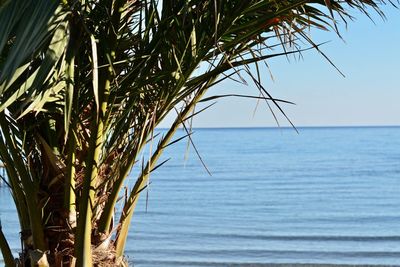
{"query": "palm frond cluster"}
{"type": "Point", "coordinates": [84, 83]}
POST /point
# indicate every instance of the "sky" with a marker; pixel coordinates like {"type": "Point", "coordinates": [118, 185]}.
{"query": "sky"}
{"type": "Point", "coordinates": [369, 94]}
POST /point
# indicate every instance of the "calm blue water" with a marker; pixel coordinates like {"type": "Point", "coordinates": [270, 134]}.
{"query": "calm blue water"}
{"type": "Point", "coordinates": [326, 195]}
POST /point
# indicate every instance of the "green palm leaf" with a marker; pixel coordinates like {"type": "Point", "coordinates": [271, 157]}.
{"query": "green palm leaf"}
{"type": "Point", "coordinates": [83, 84]}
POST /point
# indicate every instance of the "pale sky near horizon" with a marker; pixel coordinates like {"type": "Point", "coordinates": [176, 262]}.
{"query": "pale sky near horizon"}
{"type": "Point", "coordinates": [369, 57]}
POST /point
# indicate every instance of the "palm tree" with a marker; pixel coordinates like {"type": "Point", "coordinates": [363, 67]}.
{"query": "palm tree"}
{"type": "Point", "coordinates": [84, 83]}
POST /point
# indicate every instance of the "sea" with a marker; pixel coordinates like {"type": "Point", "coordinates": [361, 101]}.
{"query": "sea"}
{"type": "Point", "coordinates": [264, 196]}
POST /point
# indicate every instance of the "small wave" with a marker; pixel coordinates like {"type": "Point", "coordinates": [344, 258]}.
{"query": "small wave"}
{"type": "Point", "coordinates": [305, 237]}
{"type": "Point", "coordinates": [235, 264]}
{"type": "Point", "coordinates": [280, 254]}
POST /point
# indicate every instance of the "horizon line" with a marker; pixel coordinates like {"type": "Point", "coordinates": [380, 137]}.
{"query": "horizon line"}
{"type": "Point", "coordinates": [291, 127]}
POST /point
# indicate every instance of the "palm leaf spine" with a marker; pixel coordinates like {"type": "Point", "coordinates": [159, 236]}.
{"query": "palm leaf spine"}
{"type": "Point", "coordinates": [84, 227]}
{"type": "Point", "coordinates": [5, 250]}
{"type": "Point", "coordinates": [108, 210]}
{"type": "Point", "coordinates": [69, 197]}
{"type": "Point", "coordinates": [130, 205]}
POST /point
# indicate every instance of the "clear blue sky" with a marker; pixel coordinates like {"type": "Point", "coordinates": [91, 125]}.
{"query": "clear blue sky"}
{"type": "Point", "coordinates": [369, 57]}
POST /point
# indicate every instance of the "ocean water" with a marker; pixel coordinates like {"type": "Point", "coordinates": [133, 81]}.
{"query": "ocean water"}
{"type": "Point", "coordinates": [323, 196]}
